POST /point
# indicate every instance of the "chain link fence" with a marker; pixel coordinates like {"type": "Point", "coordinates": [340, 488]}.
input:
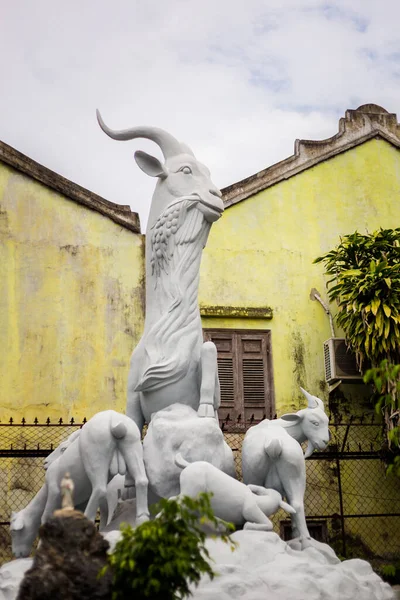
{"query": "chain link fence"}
{"type": "Point", "coordinates": [349, 501]}
{"type": "Point", "coordinates": [23, 448]}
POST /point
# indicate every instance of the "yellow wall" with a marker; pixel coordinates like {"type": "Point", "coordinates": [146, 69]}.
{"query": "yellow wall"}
{"type": "Point", "coordinates": [260, 253]}
{"type": "Point", "coordinates": [71, 304]}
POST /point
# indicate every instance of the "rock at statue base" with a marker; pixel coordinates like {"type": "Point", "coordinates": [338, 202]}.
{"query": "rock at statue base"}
{"type": "Point", "coordinates": [175, 429]}
{"type": "Point", "coordinates": [67, 562]}
{"type": "Point", "coordinates": [265, 567]}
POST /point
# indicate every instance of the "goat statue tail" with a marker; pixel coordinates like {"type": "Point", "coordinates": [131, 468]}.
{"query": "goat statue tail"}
{"type": "Point", "coordinates": [180, 461]}
{"type": "Point", "coordinates": [287, 507]}
{"type": "Point", "coordinates": [273, 448]}
{"type": "Point", "coordinates": [118, 429]}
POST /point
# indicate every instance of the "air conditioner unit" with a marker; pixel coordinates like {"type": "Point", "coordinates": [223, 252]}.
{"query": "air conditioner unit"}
{"type": "Point", "coordinates": [340, 362]}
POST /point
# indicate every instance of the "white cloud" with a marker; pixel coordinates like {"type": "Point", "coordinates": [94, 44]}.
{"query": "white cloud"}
{"type": "Point", "coordinates": [238, 81]}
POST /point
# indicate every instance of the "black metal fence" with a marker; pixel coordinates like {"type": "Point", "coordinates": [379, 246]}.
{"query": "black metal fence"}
{"type": "Point", "coordinates": [349, 502]}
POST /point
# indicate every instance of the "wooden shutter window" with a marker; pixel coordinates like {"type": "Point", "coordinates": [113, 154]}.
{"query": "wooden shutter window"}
{"type": "Point", "coordinates": [253, 381]}
{"type": "Point", "coordinates": [245, 374]}
{"type": "Point", "coordinates": [225, 372]}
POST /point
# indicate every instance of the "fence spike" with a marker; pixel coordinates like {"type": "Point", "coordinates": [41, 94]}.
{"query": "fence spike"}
{"type": "Point", "coordinates": [48, 421]}
{"type": "Point", "coordinates": [23, 421]}
{"type": "Point", "coordinates": [252, 418]}
{"type": "Point", "coordinates": [227, 418]}
{"type": "Point", "coordinates": [60, 421]}
{"type": "Point", "coordinates": [36, 421]}
{"type": "Point", "coordinates": [84, 420]}
{"type": "Point", "coordinates": [359, 446]}
{"type": "Point", "coordinates": [72, 420]}
{"type": "Point", "coordinates": [239, 417]}
{"type": "Point", "coordinates": [11, 420]}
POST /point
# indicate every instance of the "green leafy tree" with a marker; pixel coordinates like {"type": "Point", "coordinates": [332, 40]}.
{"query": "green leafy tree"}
{"type": "Point", "coordinates": [161, 558]}
{"type": "Point", "coordinates": [386, 381]}
{"type": "Point", "coordinates": [365, 284]}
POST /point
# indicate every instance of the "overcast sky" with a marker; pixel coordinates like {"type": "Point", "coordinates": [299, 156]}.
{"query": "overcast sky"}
{"type": "Point", "coordinates": [237, 80]}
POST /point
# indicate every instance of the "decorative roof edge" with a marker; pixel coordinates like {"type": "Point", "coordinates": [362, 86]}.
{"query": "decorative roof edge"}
{"type": "Point", "coordinates": [355, 128]}
{"type": "Point", "coordinates": [118, 213]}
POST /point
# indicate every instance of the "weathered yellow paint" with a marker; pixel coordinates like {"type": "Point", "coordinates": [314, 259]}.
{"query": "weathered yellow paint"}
{"type": "Point", "coordinates": [71, 304]}
{"type": "Point", "coordinates": [260, 253]}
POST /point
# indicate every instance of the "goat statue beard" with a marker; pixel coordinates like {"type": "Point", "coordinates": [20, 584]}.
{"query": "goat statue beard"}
{"type": "Point", "coordinates": [309, 450]}
{"type": "Point", "coordinates": [178, 238]}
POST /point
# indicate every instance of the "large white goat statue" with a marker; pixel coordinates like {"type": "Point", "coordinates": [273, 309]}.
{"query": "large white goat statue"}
{"type": "Point", "coordinates": [108, 444]}
{"type": "Point", "coordinates": [272, 456]}
{"type": "Point", "coordinates": [171, 363]}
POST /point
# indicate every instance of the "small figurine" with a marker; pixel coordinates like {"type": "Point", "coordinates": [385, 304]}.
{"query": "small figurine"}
{"type": "Point", "coordinates": [67, 491]}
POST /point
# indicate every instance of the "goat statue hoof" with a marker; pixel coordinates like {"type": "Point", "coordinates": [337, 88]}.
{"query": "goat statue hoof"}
{"type": "Point", "coordinates": [300, 543]}
{"type": "Point", "coordinates": [206, 410]}
{"type": "Point", "coordinates": [142, 519]}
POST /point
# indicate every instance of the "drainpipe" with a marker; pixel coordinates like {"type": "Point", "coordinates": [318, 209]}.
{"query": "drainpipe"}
{"type": "Point", "coordinates": [315, 295]}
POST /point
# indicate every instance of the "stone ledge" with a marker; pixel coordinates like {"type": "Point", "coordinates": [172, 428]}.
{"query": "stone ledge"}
{"type": "Point", "coordinates": [242, 312]}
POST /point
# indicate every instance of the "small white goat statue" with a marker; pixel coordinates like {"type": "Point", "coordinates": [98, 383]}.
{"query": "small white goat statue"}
{"type": "Point", "coordinates": [171, 364]}
{"type": "Point", "coordinates": [231, 500]}
{"type": "Point", "coordinates": [272, 456]}
{"type": "Point", "coordinates": [108, 444]}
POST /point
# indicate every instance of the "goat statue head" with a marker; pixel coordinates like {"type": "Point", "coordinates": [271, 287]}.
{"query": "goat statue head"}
{"type": "Point", "coordinates": [309, 423]}
{"type": "Point", "coordinates": [315, 424]}
{"type": "Point", "coordinates": [179, 176]}
{"type": "Point", "coordinates": [22, 536]}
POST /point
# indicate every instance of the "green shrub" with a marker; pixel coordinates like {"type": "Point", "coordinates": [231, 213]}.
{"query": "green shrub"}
{"type": "Point", "coordinates": [161, 558]}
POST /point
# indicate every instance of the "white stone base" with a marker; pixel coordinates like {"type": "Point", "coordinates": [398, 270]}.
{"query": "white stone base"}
{"type": "Point", "coordinates": [11, 575]}
{"type": "Point", "coordinates": [263, 567]}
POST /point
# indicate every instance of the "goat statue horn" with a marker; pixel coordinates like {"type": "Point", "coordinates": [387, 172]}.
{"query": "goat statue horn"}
{"type": "Point", "coordinates": [168, 144]}
{"type": "Point", "coordinates": [313, 401]}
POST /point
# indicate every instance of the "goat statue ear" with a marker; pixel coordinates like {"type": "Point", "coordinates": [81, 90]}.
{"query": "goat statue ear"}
{"type": "Point", "coordinates": [291, 418]}
{"type": "Point", "coordinates": [150, 165]}
{"type": "Point", "coordinates": [17, 521]}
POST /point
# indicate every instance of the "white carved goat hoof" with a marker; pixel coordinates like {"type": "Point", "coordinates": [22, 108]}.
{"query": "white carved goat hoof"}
{"type": "Point", "coordinates": [300, 543]}
{"type": "Point", "coordinates": [258, 526]}
{"type": "Point", "coordinates": [142, 519]}
{"type": "Point", "coordinates": [305, 543]}
{"type": "Point", "coordinates": [206, 410]}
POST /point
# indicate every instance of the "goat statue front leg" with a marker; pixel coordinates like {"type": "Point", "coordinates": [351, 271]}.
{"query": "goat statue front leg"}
{"type": "Point", "coordinates": [134, 411]}
{"type": "Point", "coordinates": [209, 389]}
{"type": "Point", "coordinates": [294, 488]}
{"type": "Point", "coordinates": [135, 465]}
